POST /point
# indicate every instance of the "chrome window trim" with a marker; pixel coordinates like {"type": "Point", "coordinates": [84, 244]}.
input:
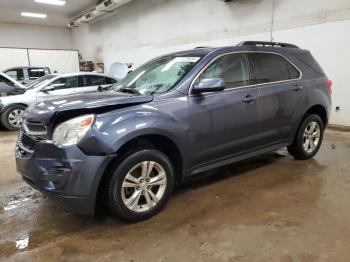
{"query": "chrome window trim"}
{"type": "Point", "coordinates": [244, 52]}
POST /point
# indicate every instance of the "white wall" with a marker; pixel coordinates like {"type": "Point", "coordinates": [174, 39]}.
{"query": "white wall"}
{"type": "Point", "coordinates": [35, 36]}
{"type": "Point", "coordinates": [41, 44]}
{"type": "Point", "coordinates": [141, 30]}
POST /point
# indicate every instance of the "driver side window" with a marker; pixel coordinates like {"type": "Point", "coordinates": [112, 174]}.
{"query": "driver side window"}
{"type": "Point", "coordinates": [232, 68]}
{"type": "Point", "coordinates": [67, 82]}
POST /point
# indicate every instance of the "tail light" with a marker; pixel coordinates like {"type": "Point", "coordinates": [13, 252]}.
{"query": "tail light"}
{"type": "Point", "coordinates": [329, 85]}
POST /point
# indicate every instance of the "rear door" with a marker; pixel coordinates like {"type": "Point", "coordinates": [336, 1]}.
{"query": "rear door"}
{"type": "Point", "coordinates": [281, 94]}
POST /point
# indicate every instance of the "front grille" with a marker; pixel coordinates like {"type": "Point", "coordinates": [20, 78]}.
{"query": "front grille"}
{"type": "Point", "coordinates": [29, 142]}
{"type": "Point", "coordinates": [35, 127]}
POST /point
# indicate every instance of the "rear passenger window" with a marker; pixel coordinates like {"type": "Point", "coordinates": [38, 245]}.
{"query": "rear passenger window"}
{"type": "Point", "coordinates": [232, 68]}
{"type": "Point", "coordinates": [265, 68]}
{"type": "Point", "coordinates": [91, 80]}
{"type": "Point", "coordinates": [35, 73]}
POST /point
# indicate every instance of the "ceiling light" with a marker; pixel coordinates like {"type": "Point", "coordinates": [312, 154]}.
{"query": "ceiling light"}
{"type": "Point", "coordinates": [51, 2]}
{"type": "Point", "coordinates": [35, 15]}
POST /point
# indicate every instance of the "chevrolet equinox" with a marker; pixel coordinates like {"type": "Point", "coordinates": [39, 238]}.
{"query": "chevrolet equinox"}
{"type": "Point", "coordinates": [174, 117]}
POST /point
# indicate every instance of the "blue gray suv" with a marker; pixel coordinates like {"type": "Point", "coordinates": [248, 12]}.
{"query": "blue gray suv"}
{"type": "Point", "coordinates": [176, 116]}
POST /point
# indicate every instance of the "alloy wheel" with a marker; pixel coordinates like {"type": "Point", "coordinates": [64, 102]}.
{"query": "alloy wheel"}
{"type": "Point", "coordinates": [144, 186]}
{"type": "Point", "coordinates": [311, 137]}
{"type": "Point", "coordinates": [15, 117]}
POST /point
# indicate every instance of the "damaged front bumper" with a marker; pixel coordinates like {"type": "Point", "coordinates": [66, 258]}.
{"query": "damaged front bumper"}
{"type": "Point", "coordinates": [64, 173]}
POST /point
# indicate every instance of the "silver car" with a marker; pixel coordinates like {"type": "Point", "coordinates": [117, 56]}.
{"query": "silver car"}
{"type": "Point", "coordinates": [12, 106]}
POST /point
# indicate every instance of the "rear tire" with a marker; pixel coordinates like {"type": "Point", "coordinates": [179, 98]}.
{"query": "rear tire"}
{"type": "Point", "coordinates": [11, 118]}
{"type": "Point", "coordinates": [140, 186]}
{"type": "Point", "coordinates": [308, 139]}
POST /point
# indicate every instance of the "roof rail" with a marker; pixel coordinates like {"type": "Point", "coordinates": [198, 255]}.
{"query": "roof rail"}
{"type": "Point", "coordinates": [265, 43]}
{"type": "Point", "coordinates": [199, 47]}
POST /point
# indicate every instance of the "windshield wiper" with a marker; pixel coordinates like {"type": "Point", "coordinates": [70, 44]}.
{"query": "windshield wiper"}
{"type": "Point", "coordinates": [128, 91]}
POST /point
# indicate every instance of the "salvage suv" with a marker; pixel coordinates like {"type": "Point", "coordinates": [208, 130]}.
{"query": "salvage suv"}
{"type": "Point", "coordinates": [174, 117]}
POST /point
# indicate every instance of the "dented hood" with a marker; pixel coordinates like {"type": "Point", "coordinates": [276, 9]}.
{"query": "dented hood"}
{"type": "Point", "coordinates": [97, 102]}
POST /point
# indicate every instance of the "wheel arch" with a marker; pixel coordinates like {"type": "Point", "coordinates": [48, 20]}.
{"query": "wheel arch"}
{"type": "Point", "coordinates": [159, 142]}
{"type": "Point", "coordinates": [156, 141]}
{"type": "Point", "coordinates": [12, 105]}
{"type": "Point", "coordinates": [319, 110]}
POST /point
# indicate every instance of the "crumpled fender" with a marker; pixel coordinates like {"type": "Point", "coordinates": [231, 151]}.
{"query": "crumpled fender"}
{"type": "Point", "coordinates": [111, 131]}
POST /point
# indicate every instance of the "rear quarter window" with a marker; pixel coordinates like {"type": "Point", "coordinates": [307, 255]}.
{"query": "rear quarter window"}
{"type": "Point", "coordinates": [308, 60]}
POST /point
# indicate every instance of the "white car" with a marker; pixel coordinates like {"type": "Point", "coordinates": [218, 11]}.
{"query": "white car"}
{"type": "Point", "coordinates": [12, 106]}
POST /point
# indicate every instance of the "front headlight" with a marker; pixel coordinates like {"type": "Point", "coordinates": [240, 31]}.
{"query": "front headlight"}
{"type": "Point", "coordinates": [73, 130]}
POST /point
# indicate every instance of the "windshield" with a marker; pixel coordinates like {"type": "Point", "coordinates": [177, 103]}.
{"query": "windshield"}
{"type": "Point", "coordinates": [40, 81]}
{"type": "Point", "coordinates": [158, 76]}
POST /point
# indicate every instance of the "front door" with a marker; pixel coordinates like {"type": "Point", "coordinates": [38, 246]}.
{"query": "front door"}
{"type": "Point", "coordinates": [225, 123]}
{"type": "Point", "coordinates": [60, 87]}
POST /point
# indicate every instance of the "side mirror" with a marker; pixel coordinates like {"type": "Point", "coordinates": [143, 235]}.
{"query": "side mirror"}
{"type": "Point", "coordinates": [209, 85]}
{"type": "Point", "coordinates": [52, 87]}
{"type": "Point", "coordinates": [47, 89]}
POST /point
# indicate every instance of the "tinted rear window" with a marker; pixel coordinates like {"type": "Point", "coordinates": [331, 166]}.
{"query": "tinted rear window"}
{"type": "Point", "coordinates": [267, 68]}
{"type": "Point", "coordinates": [35, 73]}
{"type": "Point", "coordinates": [92, 80]}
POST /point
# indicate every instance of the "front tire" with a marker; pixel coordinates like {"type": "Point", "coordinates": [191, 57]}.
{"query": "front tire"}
{"type": "Point", "coordinates": [140, 186]}
{"type": "Point", "coordinates": [11, 118]}
{"type": "Point", "coordinates": [308, 139]}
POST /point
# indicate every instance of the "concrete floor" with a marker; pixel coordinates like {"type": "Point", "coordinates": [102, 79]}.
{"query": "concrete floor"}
{"type": "Point", "coordinates": [270, 208]}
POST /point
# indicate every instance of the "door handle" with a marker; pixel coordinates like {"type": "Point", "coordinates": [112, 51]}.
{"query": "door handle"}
{"type": "Point", "coordinates": [297, 87]}
{"type": "Point", "coordinates": [249, 99]}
